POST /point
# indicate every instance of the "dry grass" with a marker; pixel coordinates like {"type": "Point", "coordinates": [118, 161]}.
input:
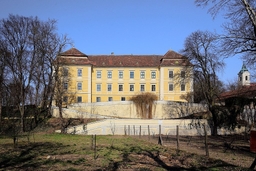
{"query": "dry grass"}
{"type": "Point", "coordinates": [74, 152]}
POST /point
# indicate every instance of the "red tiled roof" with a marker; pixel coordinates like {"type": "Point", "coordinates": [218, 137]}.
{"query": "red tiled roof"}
{"type": "Point", "coordinates": [175, 62]}
{"type": "Point", "coordinates": [73, 52]}
{"type": "Point", "coordinates": [171, 58]}
{"type": "Point", "coordinates": [75, 61]}
{"type": "Point", "coordinates": [173, 55]}
{"type": "Point", "coordinates": [248, 91]}
{"type": "Point", "coordinates": [126, 60]}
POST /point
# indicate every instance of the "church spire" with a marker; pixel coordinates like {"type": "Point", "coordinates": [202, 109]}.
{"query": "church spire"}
{"type": "Point", "coordinates": [244, 75]}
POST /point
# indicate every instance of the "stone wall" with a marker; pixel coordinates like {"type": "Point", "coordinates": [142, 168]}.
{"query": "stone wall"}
{"type": "Point", "coordinates": [189, 127]}
{"type": "Point", "coordinates": [126, 109]}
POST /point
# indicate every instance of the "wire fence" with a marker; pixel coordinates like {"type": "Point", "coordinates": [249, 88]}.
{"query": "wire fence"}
{"type": "Point", "coordinates": [202, 143]}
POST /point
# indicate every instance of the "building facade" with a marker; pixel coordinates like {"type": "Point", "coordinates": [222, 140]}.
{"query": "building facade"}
{"type": "Point", "coordinates": [102, 78]}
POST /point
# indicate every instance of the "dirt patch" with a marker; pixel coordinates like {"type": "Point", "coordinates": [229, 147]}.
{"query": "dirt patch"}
{"type": "Point", "coordinates": [234, 149]}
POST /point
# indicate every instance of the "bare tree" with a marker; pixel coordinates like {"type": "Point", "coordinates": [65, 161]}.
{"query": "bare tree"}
{"type": "Point", "coordinates": [32, 46]}
{"type": "Point", "coordinates": [145, 104]}
{"type": "Point", "coordinates": [3, 70]}
{"type": "Point", "coordinates": [63, 93]}
{"type": "Point", "coordinates": [240, 31]}
{"type": "Point", "coordinates": [201, 49]}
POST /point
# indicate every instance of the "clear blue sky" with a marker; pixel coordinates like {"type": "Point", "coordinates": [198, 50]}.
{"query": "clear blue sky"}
{"type": "Point", "coordinates": [124, 26]}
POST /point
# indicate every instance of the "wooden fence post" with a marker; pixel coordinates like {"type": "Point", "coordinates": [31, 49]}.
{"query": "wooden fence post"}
{"type": "Point", "coordinates": [125, 130]}
{"type": "Point", "coordinates": [95, 148]}
{"type": "Point", "coordinates": [160, 140]}
{"type": "Point", "coordinates": [148, 133]}
{"type": "Point", "coordinates": [129, 130]}
{"type": "Point", "coordinates": [178, 137]}
{"type": "Point", "coordinates": [92, 142]}
{"type": "Point", "coordinates": [134, 130]}
{"type": "Point", "coordinates": [140, 132]}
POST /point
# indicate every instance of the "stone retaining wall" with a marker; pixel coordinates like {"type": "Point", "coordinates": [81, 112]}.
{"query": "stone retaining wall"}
{"type": "Point", "coordinates": [126, 109]}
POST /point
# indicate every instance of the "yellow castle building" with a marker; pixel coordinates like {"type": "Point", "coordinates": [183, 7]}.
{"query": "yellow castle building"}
{"type": "Point", "coordinates": [102, 78]}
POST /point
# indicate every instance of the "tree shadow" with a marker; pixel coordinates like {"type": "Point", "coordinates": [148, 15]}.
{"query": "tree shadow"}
{"type": "Point", "coordinates": [26, 154]}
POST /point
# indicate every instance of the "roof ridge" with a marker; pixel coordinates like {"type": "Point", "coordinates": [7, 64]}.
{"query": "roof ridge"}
{"type": "Point", "coordinates": [73, 52]}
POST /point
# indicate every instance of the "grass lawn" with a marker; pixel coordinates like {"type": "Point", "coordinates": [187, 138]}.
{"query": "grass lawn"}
{"type": "Point", "coordinates": [76, 152]}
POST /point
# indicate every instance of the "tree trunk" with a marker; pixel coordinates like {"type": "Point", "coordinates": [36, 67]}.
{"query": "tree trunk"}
{"type": "Point", "coordinates": [215, 121]}
{"type": "Point", "coordinates": [22, 111]}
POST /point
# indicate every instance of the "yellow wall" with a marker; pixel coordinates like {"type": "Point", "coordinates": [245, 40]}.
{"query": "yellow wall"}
{"type": "Point", "coordinates": [84, 79]}
{"type": "Point", "coordinates": [115, 81]}
{"type": "Point", "coordinates": [89, 83]}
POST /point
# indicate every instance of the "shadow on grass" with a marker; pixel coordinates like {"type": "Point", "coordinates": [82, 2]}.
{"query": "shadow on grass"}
{"type": "Point", "coordinates": [127, 162]}
{"type": "Point", "coordinates": [26, 156]}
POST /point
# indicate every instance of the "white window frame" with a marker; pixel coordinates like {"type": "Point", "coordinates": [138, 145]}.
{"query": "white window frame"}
{"type": "Point", "coordinates": [109, 74]}
{"type": "Point", "coordinates": [98, 74]}
{"type": "Point", "coordinates": [120, 87]}
{"type": "Point", "coordinates": [182, 87]}
{"type": "Point", "coordinates": [153, 74]}
{"type": "Point", "coordinates": [120, 74]}
{"type": "Point", "coordinates": [98, 87]}
{"type": "Point", "coordinates": [182, 74]}
{"type": "Point", "coordinates": [170, 87]}
{"type": "Point", "coordinates": [170, 74]}
{"type": "Point", "coordinates": [79, 99]}
{"type": "Point", "coordinates": [65, 86]}
{"type": "Point", "coordinates": [110, 99]}
{"type": "Point", "coordinates": [142, 74]}
{"type": "Point", "coordinates": [109, 87]}
{"type": "Point", "coordinates": [79, 72]}
{"type": "Point", "coordinates": [153, 87]}
{"type": "Point", "coordinates": [131, 87]}
{"type": "Point", "coordinates": [132, 74]}
{"type": "Point", "coordinates": [142, 87]}
{"type": "Point", "coordinates": [122, 98]}
{"type": "Point", "coordinates": [65, 99]}
{"type": "Point", "coordinates": [98, 99]}
{"type": "Point", "coordinates": [65, 71]}
{"type": "Point", "coordinates": [79, 86]}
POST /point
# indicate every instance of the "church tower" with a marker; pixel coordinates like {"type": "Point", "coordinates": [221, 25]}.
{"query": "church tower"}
{"type": "Point", "coordinates": [244, 76]}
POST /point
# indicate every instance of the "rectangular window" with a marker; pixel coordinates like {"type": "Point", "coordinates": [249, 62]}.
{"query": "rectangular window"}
{"type": "Point", "coordinates": [98, 74]}
{"type": "Point", "coordinates": [109, 74]}
{"type": "Point", "coordinates": [79, 86]}
{"type": "Point", "coordinates": [98, 99]}
{"type": "Point", "coordinates": [65, 71]}
{"type": "Point", "coordinates": [142, 87]}
{"type": "Point", "coordinates": [79, 72]}
{"type": "Point", "coordinates": [170, 87]}
{"type": "Point", "coordinates": [98, 87]}
{"type": "Point", "coordinates": [110, 98]}
{"type": "Point", "coordinates": [131, 74]}
{"type": "Point", "coordinates": [182, 74]}
{"type": "Point", "coordinates": [109, 87]}
{"type": "Point", "coordinates": [65, 99]}
{"type": "Point", "coordinates": [122, 98]}
{"type": "Point", "coordinates": [65, 86]}
{"type": "Point", "coordinates": [131, 87]}
{"type": "Point", "coordinates": [142, 74]}
{"type": "Point", "coordinates": [79, 99]}
{"type": "Point", "coordinates": [153, 87]}
{"type": "Point", "coordinates": [153, 74]}
{"type": "Point", "coordinates": [120, 87]}
{"type": "Point", "coordinates": [170, 74]}
{"type": "Point", "coordinates": [121, 74]}
{"type": "Point", "coordinates": [182, 87]}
